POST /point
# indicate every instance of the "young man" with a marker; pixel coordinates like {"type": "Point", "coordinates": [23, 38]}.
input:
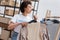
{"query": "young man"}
{"type": "Point", "coordinates": [21, 19]}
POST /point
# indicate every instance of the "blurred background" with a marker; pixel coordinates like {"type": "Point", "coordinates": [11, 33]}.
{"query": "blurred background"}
{"type": "Point", "coordinates": [43, 8]}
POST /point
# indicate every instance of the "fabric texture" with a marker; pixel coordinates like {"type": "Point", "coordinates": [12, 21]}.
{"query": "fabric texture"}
{"type": "Point", "coordinates": [23, 34]}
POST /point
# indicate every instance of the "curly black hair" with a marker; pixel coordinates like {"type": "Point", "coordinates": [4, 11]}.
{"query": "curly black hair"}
{"type": "Point", "coordinates": [24, 5]}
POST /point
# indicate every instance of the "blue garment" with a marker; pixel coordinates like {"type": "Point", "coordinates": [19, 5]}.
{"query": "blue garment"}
{"type": "Point", "coordinates": [14, 35]}
{"type": "Point", "coordinates": [59, 38]}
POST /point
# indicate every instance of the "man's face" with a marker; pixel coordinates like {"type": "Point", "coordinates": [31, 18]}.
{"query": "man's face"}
{"type": "Point", "coordinates": [29, 8]}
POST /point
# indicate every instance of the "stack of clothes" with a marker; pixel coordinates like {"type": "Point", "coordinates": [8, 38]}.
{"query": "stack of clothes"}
{"type": "Point", "coordinates": [50, 21]}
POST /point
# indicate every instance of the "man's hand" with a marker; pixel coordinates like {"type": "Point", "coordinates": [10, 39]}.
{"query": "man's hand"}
{"type": "Point", "coordinates": [13, 25]}
{"type": "Point", "coordinates": [35, 17]}
{"type": "Point", "coordinates": [24, 24]}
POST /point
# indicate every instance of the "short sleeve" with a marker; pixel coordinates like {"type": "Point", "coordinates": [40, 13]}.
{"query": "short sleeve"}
{"type": "Point", "coordinates": [14, 19]}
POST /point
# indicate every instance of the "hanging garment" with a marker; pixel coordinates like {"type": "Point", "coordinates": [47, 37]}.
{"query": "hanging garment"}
{"type": "Point", "coordinates": [45, 36]}
{"type": "Point", "coordinates": [55, 21]}
{"type": "Point", "coordinates": [44, 31]}
{"type": "Point", "coordinates": [23, 33]}
{"type": "Point", "coordinates": [20, 36]}
{"type": "Point", "coordinates": [33, 31]}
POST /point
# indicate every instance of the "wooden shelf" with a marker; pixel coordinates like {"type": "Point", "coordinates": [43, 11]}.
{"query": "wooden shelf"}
{"type": "Point", "coordinates": [9, 6]}
{"type": "Point", "coordinates": [10, 12]}
{"type": "Point", "coordinates": [9, 3]}
{"type": "Point", "coordinates": [3, 25]}
{"type": "Point", "coordinates": [35, 0]}
{"type": "Point", "coordinates": [4, 20]}
{"type": "Point", "coordinates": [31, 0]}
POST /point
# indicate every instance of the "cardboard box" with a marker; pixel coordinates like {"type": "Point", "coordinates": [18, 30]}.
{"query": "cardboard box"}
{"type": "Point", "coordinates": [8, 2]}
{"type": "Point", "coordinates": [4, 3]}
{"type": "Point", "coordinates": [4, 20]}
{"type": "Point", "coordinates": [11, 3]}
{"type": "Point", "coordinates": [5, 35]}
{"type": "Point", "coordinates": [16, 11]}
{"type": "Point", "coordinates": [17, 5]}
{"type": "Point", "coordinates": [10, 12]}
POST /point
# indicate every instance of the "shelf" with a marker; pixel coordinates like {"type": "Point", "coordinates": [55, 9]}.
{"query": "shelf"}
{"type": "Point", "coordinates": [13, 5]}
{"type": "Point", "coordinates": [10, 12]}
{"type": "Point", "coordinates": [10, 6]}
{"type": "Point", "coordinates": [35, 0]}
{"type": "Point", "coordinates": [4, 20]}
{"type": "Point", "coordinates": [32, 0]}
{"type": "Point", "coordinates": [9, 3]}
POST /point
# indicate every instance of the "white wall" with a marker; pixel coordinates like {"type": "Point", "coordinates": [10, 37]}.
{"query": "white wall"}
{"type": "Point", "coordinates": [53, 5]}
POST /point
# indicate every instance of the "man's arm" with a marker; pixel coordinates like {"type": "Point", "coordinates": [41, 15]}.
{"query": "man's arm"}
{"type": "Point", "coordinates": [35, 17]}
{"type": "Point", "coordinates": [12, 25]}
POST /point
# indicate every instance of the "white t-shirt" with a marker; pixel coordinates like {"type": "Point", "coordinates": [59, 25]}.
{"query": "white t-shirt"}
{"type": "Point", "coordinates": [20, 18]}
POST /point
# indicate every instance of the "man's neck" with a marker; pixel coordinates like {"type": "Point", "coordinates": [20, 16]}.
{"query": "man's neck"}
{"type": "Point", "coordinates": [25, 14]}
